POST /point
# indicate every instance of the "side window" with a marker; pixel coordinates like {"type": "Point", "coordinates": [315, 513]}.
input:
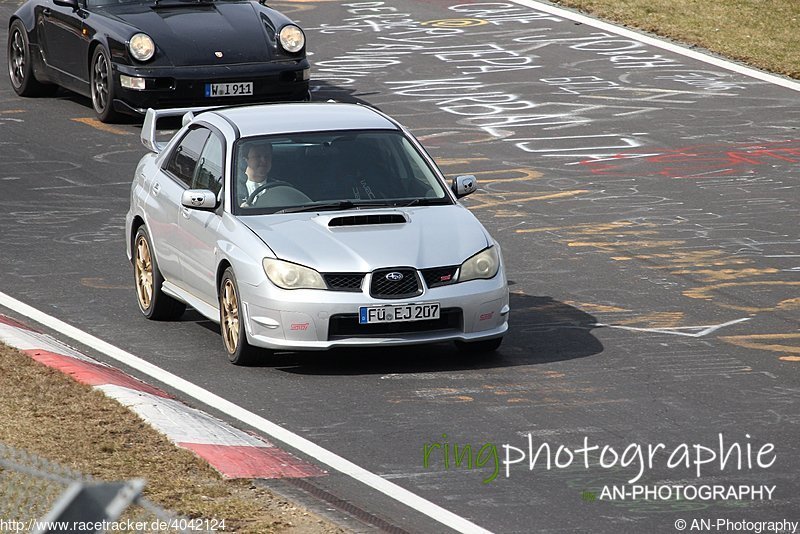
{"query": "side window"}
{"type": "Point", "coordinates": [210, 165]}
{"type": "Point", "coordinates": [183, 161]}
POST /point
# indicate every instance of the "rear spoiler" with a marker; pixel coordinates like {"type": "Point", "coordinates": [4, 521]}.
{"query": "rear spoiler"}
{"type": "Point", "coordinates": [153, 115]}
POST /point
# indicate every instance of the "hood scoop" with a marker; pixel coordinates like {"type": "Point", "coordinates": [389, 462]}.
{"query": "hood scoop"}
{"type": "Point", "coordinates": [369, 219]}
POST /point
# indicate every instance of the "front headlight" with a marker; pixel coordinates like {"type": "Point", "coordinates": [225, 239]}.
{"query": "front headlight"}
{"type": "Point", "coordinates": [142, 47]}
{"type": "Point", "coordinates": [484, 264]}
{"type": "Point", "coordinates": [292, 38]}
{"type": "Point", "coordinates": [292, 276]}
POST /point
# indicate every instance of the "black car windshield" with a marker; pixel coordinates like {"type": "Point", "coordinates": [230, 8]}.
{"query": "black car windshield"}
{"type": "Point", "coordinates": [109, 3]}
{"type": "Point", "coordinates": [332, 170]}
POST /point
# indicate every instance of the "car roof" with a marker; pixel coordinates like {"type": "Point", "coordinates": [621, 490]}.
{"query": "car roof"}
{"type": "Point", "coordinates": [267, 119]}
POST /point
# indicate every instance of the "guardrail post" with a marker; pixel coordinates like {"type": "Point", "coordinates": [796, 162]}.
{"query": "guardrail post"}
{"type": "Point", "coordinates": [89, 504]}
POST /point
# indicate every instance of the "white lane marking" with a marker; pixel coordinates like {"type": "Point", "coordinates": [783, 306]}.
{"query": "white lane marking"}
{"type": "Point", "coordinates": [652, 41]}
{"type": "Point", "coordinates": [180, 423]}
{"type": "Point", "coordinates": [29, 340]}
{"type": "Point", "coordinates": [269, 428]}
{"type": "Point", "coordinates": [699, 331]}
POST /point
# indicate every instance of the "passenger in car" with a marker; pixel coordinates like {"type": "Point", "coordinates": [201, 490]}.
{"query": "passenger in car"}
{"type": "Point", "coordinates": [359, 170]}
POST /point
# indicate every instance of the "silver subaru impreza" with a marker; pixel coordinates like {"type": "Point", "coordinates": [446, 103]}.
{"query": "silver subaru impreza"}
{"type": "Point", "coordinates": [309, 226]}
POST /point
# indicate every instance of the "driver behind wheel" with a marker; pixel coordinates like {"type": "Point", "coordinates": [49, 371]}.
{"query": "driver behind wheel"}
{"type": "Point", "coordinates": [258, 158]}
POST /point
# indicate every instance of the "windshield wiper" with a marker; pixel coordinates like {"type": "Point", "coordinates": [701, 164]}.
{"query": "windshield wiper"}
{"type": "Point", "coordinates": [425, 202]}
{"type": "Point", "coordinates": [340, 205]}
{"type": "Point", "coordinates": [327, 206]}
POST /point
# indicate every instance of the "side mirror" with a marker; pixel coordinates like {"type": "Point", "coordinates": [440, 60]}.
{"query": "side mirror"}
{"type": "Point", "coordinates": [67, 3]}
{"type": "Point", "coordinates": [464, 185]}
{"type": "Point", "coordinates": [199, 199]}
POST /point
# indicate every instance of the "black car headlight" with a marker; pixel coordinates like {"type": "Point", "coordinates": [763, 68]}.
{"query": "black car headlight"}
{"type": "Point", "coordinates": [292, 38]}
{"type": "Point", "coordinates": [484, 264]}
{"type": "Point", "coordinates": [288, 275]}
{"type": "Point", "coordinates": [142, 47]}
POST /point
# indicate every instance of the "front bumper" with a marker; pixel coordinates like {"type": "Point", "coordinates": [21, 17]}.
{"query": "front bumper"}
{"type": "Point", "coordinates": [186, 86]}
{"type": "Point", "coordinates": [320, 320]}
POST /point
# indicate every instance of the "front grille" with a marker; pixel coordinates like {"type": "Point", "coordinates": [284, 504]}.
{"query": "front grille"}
{"type": "Point", "coordinates": [440, 276]}
{"type": "Point", "coordinates": [346, 325]}
{"type": "Point", "coordinates": [178, 92]}
{"type": "Point", "coordinates": [160, 84]}
{"type": "Point", "coordinates": [408, 284]}
{"type": "Point", "coordinates": [344, 281]}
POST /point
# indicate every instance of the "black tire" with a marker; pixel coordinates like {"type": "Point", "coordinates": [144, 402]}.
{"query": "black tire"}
{"type": "Point", "coordinates": [20, 64]}
{"type": "Point", "coordinates": [231, 323]}
{"type": "Point", "coordinates": [479, 347]}
{"type": "Point", "coordinates": [153, 302]}
{"type": "Point", "coordinates": [101, 80]}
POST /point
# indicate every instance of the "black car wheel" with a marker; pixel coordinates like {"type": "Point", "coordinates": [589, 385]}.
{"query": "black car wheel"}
{"type": "Point", "coordinates": [231, 322]}
{"type": "Point", "coordinates": [102, 82]}
{"type": "Point", "coordinates": [20, 65]}
{"type": "Point", "coordinates": [153, 302]}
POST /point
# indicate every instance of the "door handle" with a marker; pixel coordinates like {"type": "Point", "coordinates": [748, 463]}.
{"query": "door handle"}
{"type": "Point", "coordinates": [156, 189]}
{"type": "Point", "coordinates": [186, 212]}
{"type": "Point", "coordinates": [46, 12]}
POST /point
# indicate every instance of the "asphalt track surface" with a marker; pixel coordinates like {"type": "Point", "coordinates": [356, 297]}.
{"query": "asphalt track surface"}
{"type": "Point", "coordinates": [647, 205]}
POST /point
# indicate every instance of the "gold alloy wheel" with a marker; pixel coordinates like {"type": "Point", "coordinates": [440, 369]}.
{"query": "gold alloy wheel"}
{"type": "Point", "coordinates": [143, 271]}
{"type": "Point", "coordinates": [230, 316]}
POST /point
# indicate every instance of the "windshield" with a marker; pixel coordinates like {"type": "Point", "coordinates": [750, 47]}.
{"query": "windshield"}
{"type": "Point", "coordinates": [107, 3]}
{"type": "Point", "coordinates": [332, 170]}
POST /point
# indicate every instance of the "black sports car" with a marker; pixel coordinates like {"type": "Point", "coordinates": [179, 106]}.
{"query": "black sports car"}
{"type": "Point", "coordinates": [128, 55]}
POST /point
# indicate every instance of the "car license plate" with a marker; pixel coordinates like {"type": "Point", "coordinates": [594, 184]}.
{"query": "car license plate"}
{"type": "Point", "coordinates": [396, 313]}
{"type": "Point", "coordinates": [229, 89]}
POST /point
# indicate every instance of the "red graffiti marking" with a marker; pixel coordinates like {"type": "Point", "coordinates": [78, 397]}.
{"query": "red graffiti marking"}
{"type": "Point", "coordinates": [696, 161]}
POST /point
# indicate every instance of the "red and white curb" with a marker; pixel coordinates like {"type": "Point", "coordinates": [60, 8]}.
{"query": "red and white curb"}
{"type": "Point", "coordinates": [232, 452]}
